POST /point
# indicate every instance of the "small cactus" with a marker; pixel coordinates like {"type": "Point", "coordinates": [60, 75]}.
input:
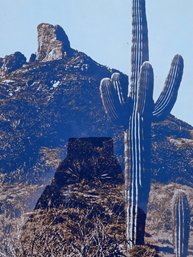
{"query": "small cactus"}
{"type": "Point", "coordinates": [181, 224]}
{"type": "Point", "coordinates": [133, 107]}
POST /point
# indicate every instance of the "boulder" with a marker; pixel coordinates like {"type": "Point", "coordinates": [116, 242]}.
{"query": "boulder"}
{"type": "Point", "coordinates": [32, 58]}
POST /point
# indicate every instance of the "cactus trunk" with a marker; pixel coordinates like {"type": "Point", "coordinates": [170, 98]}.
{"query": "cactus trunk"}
{"type": "Point", "coordinates": [133, 108]}
{"type": "Point", "coordinates": [139, 48]}
{"type": "Point", "coordinates": [136, 190]}
{"type": "Point", "coordinates": [137, 164]}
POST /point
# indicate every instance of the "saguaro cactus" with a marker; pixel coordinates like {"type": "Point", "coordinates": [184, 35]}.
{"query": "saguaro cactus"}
{"type": "Point", "coordinates": [133, 107]}
{"type": "Point", "coordinates": [181, 224]}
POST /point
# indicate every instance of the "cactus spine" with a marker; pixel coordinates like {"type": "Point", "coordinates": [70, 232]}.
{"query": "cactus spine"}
{"type": "Point", "coordinates": [181, 223]}
{"type": "Point", "coordinates": [133, 107]}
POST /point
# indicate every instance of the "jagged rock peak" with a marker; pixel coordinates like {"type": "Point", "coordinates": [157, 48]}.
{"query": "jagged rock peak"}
{"type": "Point", "coordinates": [11, 63]}
{"type": "Point", "coordinates": [53, 43]}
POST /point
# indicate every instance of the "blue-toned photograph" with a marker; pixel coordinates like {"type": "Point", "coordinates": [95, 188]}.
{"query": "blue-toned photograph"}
{"type": "Point", "coordinates": [96, 128]}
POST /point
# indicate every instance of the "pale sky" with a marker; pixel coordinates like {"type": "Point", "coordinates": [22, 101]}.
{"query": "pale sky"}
{"type": "Point", "coordinates": [102, 29]}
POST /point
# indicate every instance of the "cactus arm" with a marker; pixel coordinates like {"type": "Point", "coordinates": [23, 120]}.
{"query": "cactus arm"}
{"type": "Point", "coordinates": [139, 48]}
{"type": "Point", "coordinates": [168, 97]}
{"type": "Point", "coordinates": [122, 95]}
{"type": "Point", "coordinates": [110, 99]}
{"type": "Point", "coordinates": [115, 101]}
{"type": "Point", "coordinates": [122, 91]}
{"type": "Point", "coordinates": [181, 221]}
{"type": "Point", "coordinates": [145, 90]}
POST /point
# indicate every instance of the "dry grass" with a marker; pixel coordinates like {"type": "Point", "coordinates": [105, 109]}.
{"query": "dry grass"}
{"type": "Point", "coordinates": [142, 251]}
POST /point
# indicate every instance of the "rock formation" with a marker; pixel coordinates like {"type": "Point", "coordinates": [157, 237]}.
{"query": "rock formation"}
{"type": "Point", "coordinates": [53, 43]}
{"type": "Point", "coordinates": [32, 58]}
{"type": "Point", "coordinates": [11, 63]}
{"type": "Point", "coordinates": [1, 62]}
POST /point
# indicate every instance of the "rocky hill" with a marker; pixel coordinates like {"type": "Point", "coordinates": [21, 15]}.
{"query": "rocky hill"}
{"type": "Point", "coordinates": [55, 96]}
{"type": "Point", "coordinates": [44, 102]}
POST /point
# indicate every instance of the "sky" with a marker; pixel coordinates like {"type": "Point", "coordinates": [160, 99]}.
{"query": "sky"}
{"type": "Point", "coordinates": [102, 29]}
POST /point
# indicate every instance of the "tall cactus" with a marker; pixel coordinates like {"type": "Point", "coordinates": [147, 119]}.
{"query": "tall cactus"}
{"type": "Point", "coordinates": [181, 224]}
{"type": "Point", "coordinates": [133, 107]}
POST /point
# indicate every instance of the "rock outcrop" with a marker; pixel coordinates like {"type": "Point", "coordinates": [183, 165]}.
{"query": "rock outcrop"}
{"type": "Point", "coordinates": [1, 62]}
{"type": "Point", "coordinates": [11, 63]}
{"type": "Point", "coordinates": [32, 58]}
{"type": "Point", "coordinates": [53, 43]}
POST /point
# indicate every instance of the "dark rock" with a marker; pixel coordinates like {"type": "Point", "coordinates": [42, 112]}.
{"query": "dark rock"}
{"type": "Point", "coordinates": [1, 62]}
{"type": "Point", "coordinates": [32, 58]}
{"type": "Point", "coordinates": [53, 43]}
{"type": "Point", "coordinates": [11, 63]}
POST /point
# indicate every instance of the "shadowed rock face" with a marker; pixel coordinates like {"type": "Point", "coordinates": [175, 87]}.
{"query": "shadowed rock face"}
{"type": "Point", "coordinates": [1, 62]}
{"type": "Point", "coordinates": [53, 43]}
